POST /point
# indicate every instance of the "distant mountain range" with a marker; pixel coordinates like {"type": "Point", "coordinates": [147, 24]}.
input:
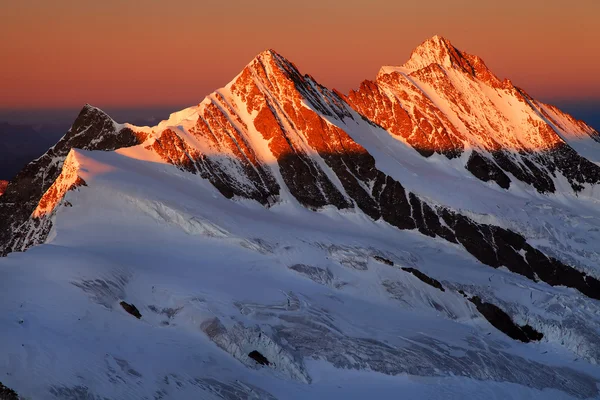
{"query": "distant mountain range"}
{"type": "Point", "coordinates": [284, 240]}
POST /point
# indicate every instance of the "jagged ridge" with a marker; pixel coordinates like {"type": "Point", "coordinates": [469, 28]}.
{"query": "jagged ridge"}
{"type": "Point", "coordinates": [92, 130]}
{"type": "Point", "coordinates": [274, 128]}
{"type": "Point", "coordinates": [448, 102]}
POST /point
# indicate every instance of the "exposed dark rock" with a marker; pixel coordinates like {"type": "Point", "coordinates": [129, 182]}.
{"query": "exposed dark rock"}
{"type": "Point", "coordinates": [395, 208]}
{"type": "Point", "coordinates": [92, 130]}
{"type": "Point", "coordinates": [375, 193]}
{"type": "Point", "coordinates": [260, 184]}
{"type": "Point", "coordinates": [503, 322]}
{"type": "Point", "coordinates": [383, 260]}
{"type": "Point", "coordinates": [529, 174]}
{"type": "Point", "coordinates": [430, 281]}
{"type": "Point", "coordinates": [7, 393]}
{"type": "Point", "coordinates": [486, 170]}
{"type": "Point", "coordinates": [131, 309]}
{"type": "Point", "coordinates": [394, 103]}
{"type": "Point", "coordinates": [531, 333]}
{"type": "Point", "coordinates": [576, 169]}
{"type": "Point", "coordinates": [304, 177]}
{"type": "Point", "coordinates": [492, 245]}
{"type": "Point", "coordinates": [259, 358]}
{"type": "Point", "coordinates": [308, 183]}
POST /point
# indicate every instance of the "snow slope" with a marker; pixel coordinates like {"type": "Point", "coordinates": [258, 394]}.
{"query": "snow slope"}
{"type": "Point", "coordinates": [281, 240]}
{"type": "Point", "coordinates": [300, 287]}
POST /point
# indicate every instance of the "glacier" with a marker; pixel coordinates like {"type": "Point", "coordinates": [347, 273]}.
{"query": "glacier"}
{"type": "Point", "coordinates": [254, 235]}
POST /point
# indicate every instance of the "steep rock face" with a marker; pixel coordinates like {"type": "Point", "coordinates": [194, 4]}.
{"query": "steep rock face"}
{"type": "Point", "coordinates": [250, 179]}
{"type": "Point", "coordinates": [305, 126]}
{"type": "Point", "coordinates": [237, 135]}
{"type": "Point", "coordinates": [410, 115]}
{"type": "Point", "coordinates": [36, 229]}
{"type": "Point", "coordinates": [275, 134]}
{"type": "Point", "coordinates": [274, 91]}
{"type": "Point", "coordinates": [446, 101]}
{"type": "Point", "coordinates": [92, 130]}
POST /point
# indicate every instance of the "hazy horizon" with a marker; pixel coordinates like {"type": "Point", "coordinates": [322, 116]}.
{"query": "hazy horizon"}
{"type": "Point", "coordinates": [588, 111]}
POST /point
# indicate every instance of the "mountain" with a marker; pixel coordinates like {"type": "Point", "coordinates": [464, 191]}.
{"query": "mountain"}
{"type": "Point", "coordinates": [284, 240]}
{"type": "Point", "coordinates": [448, 102]}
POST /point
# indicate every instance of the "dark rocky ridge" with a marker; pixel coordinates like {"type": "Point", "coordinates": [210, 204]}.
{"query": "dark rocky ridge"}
{"type": "Point", "coordinates": [503, 322]}
{"type": "Point", "coordinates": [92, 130]}
{"type": "Point", "coordinates": [7, 393]}
{"type": "Point", "coordinates": [259, 358]}
{"type": "Point", "coordinates": [262, 188]}
{"type": "Point", "coordinates": [398, 105]}
{"type": "Point", "coordinates": [375, 193]}
{"type": "Point", "coordinates": [535, 169]}
{"type": "Point", "coordinates": [131, 309]}
{"type": "Point", "coordinates": [487, 170]}
{"type": "Point", "coordinates": [384, 260]}
{"type": "Point", "coordinates": [424, 278]}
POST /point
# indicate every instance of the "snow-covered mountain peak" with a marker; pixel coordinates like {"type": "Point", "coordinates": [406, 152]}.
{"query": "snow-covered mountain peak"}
{"type": "Point", "coordinates": [270, 63]}
{"type": "Point", "coordinates": [270, 55]}
{"type": "Point", "coordinates": [281, 237]}
{"type": "Point", "coordinates": [439, 54]}
{"type": "Point", "coordinates": [436, 50]}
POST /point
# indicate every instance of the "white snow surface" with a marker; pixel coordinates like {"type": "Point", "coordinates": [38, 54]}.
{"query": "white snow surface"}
{"type": "Point", "coordinates": [169, 243]}
{"type": "Point", "coordinates": [216, 279]}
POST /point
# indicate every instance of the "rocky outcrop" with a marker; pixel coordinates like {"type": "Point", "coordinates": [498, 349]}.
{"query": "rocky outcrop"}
{"type": "Point", "coordinates": [443, 99]}
{"type": "Point", "coordinates": [237, 174]}
{"type": "Point", "coordinates": [275, 128]}
{"type": "Point", "coordinates": [503, 322]}
{"type": "Point", "coordinates": [131, 309]}
{"type": "Point", "coordinates": [274, 90]}
{"type": "Point", "coordinates": [259, 358]}
{"type": "Point", "coordinates": [487, 170]}
{"type": "Point", "coordinates": [36, 229]}
{"type": "Point", "coordinates": [7, 393]}
{"type": "Point", "coordinates": [92, 130]}
{"type": "Point", "coordinates": [381, 197]}
{"type": "Point", "coordinates": [424, 278]}
{"type": "Point", "coordinates": [412, 117]}
{"type": "Point", "coordinates": [384, 260]}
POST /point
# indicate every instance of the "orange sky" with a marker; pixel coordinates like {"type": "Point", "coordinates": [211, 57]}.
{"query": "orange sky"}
{"type": "Point", "coordinates": [144, 53]}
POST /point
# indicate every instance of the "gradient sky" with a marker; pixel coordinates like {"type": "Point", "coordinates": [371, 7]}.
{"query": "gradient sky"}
{"type": "Point", "coordinates": [123, 53]}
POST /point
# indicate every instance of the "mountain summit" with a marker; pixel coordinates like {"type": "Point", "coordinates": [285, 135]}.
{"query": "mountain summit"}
{"type": "Point", "coordinates": [439, 51]}
{"type": "Point", "coordinates": [279, 236]}
{"type": "Point", "coordinates": [436, 50]}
